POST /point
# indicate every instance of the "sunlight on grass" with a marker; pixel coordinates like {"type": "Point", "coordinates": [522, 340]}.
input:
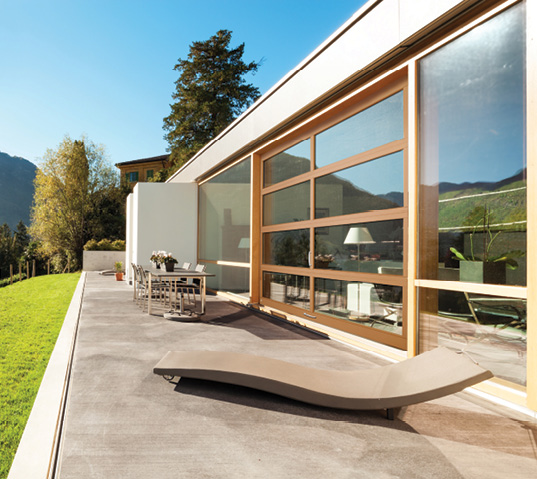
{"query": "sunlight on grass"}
{"type": "Point", "coordinates": [31, 316]}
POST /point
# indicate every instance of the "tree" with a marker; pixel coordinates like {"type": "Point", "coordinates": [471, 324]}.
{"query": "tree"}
{"type": "Point", "coordinates": [210, 93]}
{"type": "Point", "coordinates": [68, 184]}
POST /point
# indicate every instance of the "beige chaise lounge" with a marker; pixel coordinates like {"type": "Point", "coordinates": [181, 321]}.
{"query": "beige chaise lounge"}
{"type": "Point", "coordinates": [427, 376]}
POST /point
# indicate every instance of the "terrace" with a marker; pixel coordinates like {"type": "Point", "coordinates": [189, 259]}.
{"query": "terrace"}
{"type": "Point", "coordinates": [121, 420]}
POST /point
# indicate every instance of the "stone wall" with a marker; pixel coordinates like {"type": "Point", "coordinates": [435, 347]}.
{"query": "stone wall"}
{"type": "Point", "coordinates": [102, 260]}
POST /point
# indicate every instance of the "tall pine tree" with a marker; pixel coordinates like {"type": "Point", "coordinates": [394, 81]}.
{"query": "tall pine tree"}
{"type": "Point", "coordinates": [210, 93]}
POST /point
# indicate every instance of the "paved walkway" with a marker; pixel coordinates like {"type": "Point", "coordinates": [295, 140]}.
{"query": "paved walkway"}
{"type": "Point", "coordinates": [123, 421]}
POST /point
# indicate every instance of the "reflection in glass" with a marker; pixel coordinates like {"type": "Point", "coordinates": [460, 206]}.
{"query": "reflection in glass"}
{"type": "Point", "coordinates": [490, 329]}
{"type": "Point", "coordinates": [372, 127]}
{"type": "Point", "coordinates": [224, 214]}
{"type": "Point", "coordinates": [287, 248]}
{"type": "Point", "coordinates": [375, 185]}
{"type": "Point", "coordinates": [287, 205]}
{"type": "Point", "coordinates": [473, 165]}
{"type": "Point", "coordinates": [375, 247]}
{"type": "Point", "coordinates": [287, 288]}
{"type": "Point", "coordinates": [229, 279]}
{"type": "Point", "coordinates": [374, 305]}
{"type": "Point", "coordinates": [289, 163]}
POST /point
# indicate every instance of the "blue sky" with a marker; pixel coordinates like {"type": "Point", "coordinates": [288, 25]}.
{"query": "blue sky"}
{"type": "Point", "coordinates": [105, 68]}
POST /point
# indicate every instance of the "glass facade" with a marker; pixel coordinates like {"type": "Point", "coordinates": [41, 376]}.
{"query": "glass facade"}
{"type": "Point", "coordinates": [372, 127]}
{"type": "Point", "coordinates": [378, 306]}
{"type": "Point", "coordinates": [224, 215]}
{"type": "Point", "coordinates": [490, 329]}
{"type": "Point", "coordinates": [287, 248]}
{"type": "Point", "coordinates": [287, 205]}
{"type": "Point", "coordinates": [335, 224]}
{"type": "Point", "coordinates": [473, 164]}
{"type": "Point", "coordinates": [224, 227]}
{"type": "Point", "coordinates": [289, 163]}
{"type": "Point", "coordinates": [343, 229]}
{"type": "Point", "coordinates": [228, 278]}
{"type": "Point", "coordinates": [472, 195]}
{"type": "Point", "coordinates": [363, 247]}
{"type": "Point", "coordinates": [374, 185]}
{"type": "Point", "coordinates": [288, 289]}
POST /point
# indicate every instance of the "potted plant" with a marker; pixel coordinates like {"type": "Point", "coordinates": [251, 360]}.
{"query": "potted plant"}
{"type": "Point", "coordinates": [487, 267]}
{"type": "Point", "coordinates": [169, 262]}
{"type": "Point", "coordinates": [118, 265]}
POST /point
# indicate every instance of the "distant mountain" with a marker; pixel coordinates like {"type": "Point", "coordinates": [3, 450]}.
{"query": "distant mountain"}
{"type": "Point", "coordinates": [16, 189]}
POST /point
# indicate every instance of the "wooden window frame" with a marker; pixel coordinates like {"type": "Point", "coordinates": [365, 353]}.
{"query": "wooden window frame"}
{"type": "Point", "coordinates": [390, 85]}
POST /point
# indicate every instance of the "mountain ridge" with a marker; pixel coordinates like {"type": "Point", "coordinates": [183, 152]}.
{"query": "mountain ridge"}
{"type": "Point", "coordinates": [17, 176]}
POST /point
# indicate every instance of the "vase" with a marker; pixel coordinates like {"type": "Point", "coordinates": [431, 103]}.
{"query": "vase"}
{"type": "Point", "coordinates": [170, 267]}
{"type": "Point", "coordinates": [480, 272]}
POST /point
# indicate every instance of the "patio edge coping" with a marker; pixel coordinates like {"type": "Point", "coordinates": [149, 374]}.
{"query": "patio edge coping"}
{"type": "Point", "coordinates": [38, 449]}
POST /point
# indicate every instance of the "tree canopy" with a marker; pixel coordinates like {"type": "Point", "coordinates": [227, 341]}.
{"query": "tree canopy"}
{"type": "Point", "coordinates": [77, 198]}
{"type": "Point", "coordinates": [210, 93]}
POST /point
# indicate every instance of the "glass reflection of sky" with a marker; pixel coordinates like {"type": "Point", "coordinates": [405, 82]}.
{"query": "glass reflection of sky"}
{"type": "Point", "coordinates": [372, 127]}
{"type": "Point", "coordinates": [378, 177]}
{"type": "Point", "coordinates": [472, 103]}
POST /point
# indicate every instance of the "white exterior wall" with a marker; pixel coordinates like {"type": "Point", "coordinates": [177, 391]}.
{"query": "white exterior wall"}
{"type": "Point", "coordinates": [378, 30]}
{"type": "Point", "coordinates": [162, 217]}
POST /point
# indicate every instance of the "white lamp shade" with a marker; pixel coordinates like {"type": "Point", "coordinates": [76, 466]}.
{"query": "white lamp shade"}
{"type": "Point", "coordinates": [244, 243]}
{"type": "Point", "coordinates": [358, 235]}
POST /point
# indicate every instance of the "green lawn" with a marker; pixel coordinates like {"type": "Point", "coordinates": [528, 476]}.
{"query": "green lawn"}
{"type": "Point", "coordinates": [31, 316]}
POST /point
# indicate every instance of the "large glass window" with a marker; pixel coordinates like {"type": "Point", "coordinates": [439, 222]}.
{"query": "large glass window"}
{"type": "Point", "coordinates": [376, 306]}
{"type": "Point", "coordinates": [287, 289]}
{"type": "Point", "coordinates": [224, 215]}
{"type": "Point", "coordinates": [365, 247]}
{"type": "Point", "coordinates": [289, 163]}
{"type": "Point", "coordinates": [374, 185]}
{"type": "Point", "coordinates": [372, 127]}
{"type": "Point", "coordinates": [340, 222]}
{"type": "Point", "coordinates": [473, 165]}
{"type": "Point", "coordinates": [287, 205]}
{"type": "Point", "coordinates": [287, 248]}
{"type": "Point", "coordinates": [490, 329]}
{"type": "Point", "coordinates": [228, 278]}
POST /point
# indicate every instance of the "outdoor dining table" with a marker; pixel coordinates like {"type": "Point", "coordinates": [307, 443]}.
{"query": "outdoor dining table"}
{"type": "Point", "coordinates": [178, 274]}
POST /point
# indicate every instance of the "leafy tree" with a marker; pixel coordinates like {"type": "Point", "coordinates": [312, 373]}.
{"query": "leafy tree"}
{"type": "Point", "coordinates": [71, 181]}
{"type": "Point", "coordinates": [210, 93]}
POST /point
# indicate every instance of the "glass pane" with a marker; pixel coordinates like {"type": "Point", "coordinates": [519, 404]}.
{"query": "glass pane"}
{"type": "Point", "coordinates": [287, 248]}
{"type": "Point", "coordinates": [289, 163]}
{"type": "Point", "coordinates": [287, 288]}
{"type": "Point", "coordinates": [224, 215]}
{"type": "Point", "coordinates": [375, 126]}
{"type": "Point", "coordinates": [473, 165]}
{"type": "Point", "coordinates": [377, 306]}
{"type": "Point", "coordinates": [366, 247]}
{"type": "Point", "coordinates": [374, 185]}
{"type": "Point", "coordinates": [287, 205]}
{"type": "Point", "coordinates": [229, 279]}
{"type": "Point", "coordinates": [490, 329]}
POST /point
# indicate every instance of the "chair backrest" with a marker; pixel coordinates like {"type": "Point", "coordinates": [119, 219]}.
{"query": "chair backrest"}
{"type": "Point", "coordinates": [187, 265]}
{"type": "Point", "coordinates": [141, 275]}
{"type": "Point", "coordinates": [200, 268]}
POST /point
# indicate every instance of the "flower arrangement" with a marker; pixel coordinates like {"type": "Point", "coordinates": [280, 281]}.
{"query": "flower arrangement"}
{"type": "Point", "coordinates": [161, 257]}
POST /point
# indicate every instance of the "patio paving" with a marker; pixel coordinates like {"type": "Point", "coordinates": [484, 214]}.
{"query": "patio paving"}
{"type": "Point", "coordinates": [122, 421]}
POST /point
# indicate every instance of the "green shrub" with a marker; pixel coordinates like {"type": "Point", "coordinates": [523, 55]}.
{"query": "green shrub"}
{"type": "Point", "coordinates": [105, 245]}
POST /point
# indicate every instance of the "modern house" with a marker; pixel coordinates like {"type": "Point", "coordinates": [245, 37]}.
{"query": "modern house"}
{"type": "Point", "coordinates": [384, 192]}
{"type": "Point", "coordinates": [142, 169]}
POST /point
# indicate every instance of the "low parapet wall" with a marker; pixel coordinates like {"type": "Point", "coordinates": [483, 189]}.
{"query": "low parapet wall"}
{"type": "Point", "coordinates": [102, 260]}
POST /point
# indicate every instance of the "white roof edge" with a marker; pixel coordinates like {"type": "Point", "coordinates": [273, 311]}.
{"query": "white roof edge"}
{"type": "Point", "coordinates": [362, 11]}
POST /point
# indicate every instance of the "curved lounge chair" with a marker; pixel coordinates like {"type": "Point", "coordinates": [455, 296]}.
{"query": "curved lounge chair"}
{"type": "Point", "coordinates": [428, 376]}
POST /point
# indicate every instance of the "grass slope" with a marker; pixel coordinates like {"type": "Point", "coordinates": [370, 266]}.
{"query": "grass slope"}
{"type": "Point", "coordinates": [31, 316]}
